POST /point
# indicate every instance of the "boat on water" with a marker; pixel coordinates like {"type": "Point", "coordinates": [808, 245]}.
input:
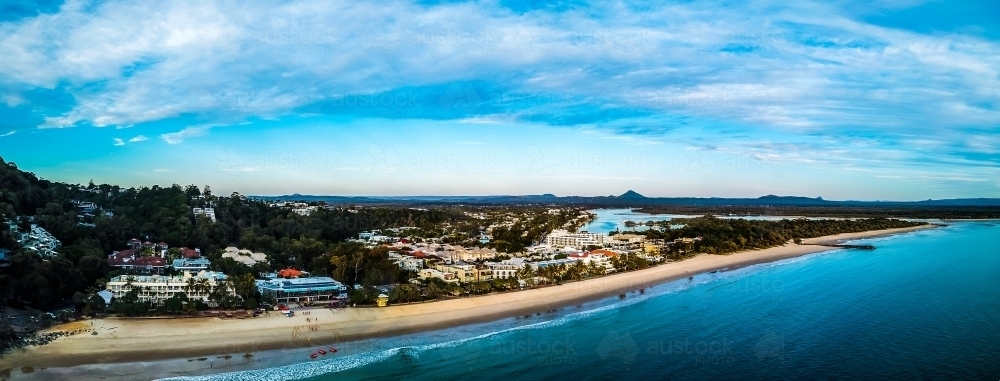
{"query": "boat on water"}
{"type": "Point", "coordinates": [313, 355]}
{"type": "Point", "coordinates": [333, 350]}
{"type": "Point", "coordinates": [322, 352]}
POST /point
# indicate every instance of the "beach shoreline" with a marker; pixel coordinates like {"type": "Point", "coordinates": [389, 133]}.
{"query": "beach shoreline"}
{"type": "Point", "coordinates": [121, 340]}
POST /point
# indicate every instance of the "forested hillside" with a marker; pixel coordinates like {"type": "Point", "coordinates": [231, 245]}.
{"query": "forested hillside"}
{"type": "Point", "coordinates": [165, 214]}
{"type": "Point", "coordinates": [725, 235]}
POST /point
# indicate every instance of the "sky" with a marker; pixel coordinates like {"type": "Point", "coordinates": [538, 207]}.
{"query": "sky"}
{"type": "Point", "coordinates": [849, 100]}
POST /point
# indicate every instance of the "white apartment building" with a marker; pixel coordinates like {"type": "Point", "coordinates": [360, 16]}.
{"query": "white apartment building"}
{"type": "Point", "coordinates": [207, 212]}
{"type": "Point", "coordinates": [507, 268]}
{"type": "Point", "coordinates": [596, 258]}
{"type": "Point", "coordinates": [406, 262]}
{"type": "Point", "coordinates": [157, 289]}
{"type": "Point", "coordinates": [561, 238]}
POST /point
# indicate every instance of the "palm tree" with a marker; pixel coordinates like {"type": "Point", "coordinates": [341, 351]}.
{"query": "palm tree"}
{"type": "Point", "coordinates": [201, 287]}
{"type": "Point", "coordinates": [527, 274]}
{"type": "Point", "coordinates": [192, 284]}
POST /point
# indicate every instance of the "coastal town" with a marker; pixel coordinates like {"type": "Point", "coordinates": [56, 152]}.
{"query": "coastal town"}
{"type": "Point", "coordinates": [104, 252]}
{"type": "Point", "coordinates": [157, 273]}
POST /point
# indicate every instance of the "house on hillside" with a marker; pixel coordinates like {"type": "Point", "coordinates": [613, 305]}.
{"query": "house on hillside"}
{"type": "Point", "coordinates": [5, 257]}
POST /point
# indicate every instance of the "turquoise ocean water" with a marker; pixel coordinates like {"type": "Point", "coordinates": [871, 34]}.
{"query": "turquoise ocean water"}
{"type": "Point", "coordinates": [924, 305]}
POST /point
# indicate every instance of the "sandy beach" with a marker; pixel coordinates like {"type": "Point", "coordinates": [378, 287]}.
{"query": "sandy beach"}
{"type": "Point", "coordinates": [135, 340]}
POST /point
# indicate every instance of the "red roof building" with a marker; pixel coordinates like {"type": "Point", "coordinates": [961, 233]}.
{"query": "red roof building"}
{"type": "Point", "coordinates": [130, 260]}
{"type": "Point", "coordinates": [190, 253]}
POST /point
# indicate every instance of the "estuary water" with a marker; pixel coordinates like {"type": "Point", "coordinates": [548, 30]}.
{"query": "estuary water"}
{"type": "Point", "coordinates": [608, 220]}
{"type": "Point", "coordinates": [924, 305]}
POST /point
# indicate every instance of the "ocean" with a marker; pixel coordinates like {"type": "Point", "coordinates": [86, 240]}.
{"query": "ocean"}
{"type": "Point", "coordinates": [924, 305]}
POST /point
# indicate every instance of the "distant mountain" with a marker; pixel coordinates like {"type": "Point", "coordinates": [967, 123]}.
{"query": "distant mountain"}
{"type": "Point", "coordinates": [631, 194]}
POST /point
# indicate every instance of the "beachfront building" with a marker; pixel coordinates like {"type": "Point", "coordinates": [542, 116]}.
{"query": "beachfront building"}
{"type": "Point", "coordinates": [302, 289]}
{"type": "Point", "coordinates": [552, 262]}
{"type": "Point", "coordinates": [156, 289]}
{"type": "Point", "coordinates": [466, 273]}
{"type": "Point", "coordinates": [426, 274]}
{"type": "Point", "coordinates": [507, 268]}
{"type": "Point", "coordinates": [654, 247]}
{"type": "Point", "coordinates": [597, 258]}
{"type": "Point", "coordinates": [244, 256]}
{"type": "Point", "coordinates": [581, 240]}
{"type": "Point", "coordinates": [625, 241]}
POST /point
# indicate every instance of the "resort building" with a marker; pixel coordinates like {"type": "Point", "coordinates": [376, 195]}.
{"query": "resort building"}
{"type": "Point", "coordinates": [465, 272]}
{"type": "Point", "coordinates": [133, 261]}
{"type": "Point", "coordinates": [625, 241]}
{"type": "Point", "coordinates": [244, 256]}
{"type": "Point", "coordinates": [302, 289]}
{"type": "Point", "coordinates": [434, 273]}
{"type": "Point", "coordinates": [191, 264]}
{"type": "Point", "coordinates": [552, 262]}
{"type": "Point", "coordinates": [156, 289]}
{"type": "Point", "coordinates": [560, 238]}
{"type": "Point", "coordinates": [654, 246]}
{"type": "Point", "coordinates": [507, 268]}
{"type": "Point", "coordinates": [600, 259]}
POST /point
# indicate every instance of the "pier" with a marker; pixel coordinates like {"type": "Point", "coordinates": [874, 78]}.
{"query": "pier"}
{"type": "Point", "coordinates": [858, 247]}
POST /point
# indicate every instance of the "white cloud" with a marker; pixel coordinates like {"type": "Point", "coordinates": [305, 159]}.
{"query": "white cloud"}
{"type": "Point", "coordinates": [118, 142]}
{"type": "Point", "coordinates": [8, 134]}
{"type": "Point", "coordinates": [813, 68]}
{"type": "Point", "coordinates": [180, 136]}
{"type": "Point", "coordinates": [137, 139]}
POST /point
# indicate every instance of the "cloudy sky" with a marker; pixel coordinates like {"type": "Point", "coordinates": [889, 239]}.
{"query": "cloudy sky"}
{"type": "Point", "coordinates": [885, 99]}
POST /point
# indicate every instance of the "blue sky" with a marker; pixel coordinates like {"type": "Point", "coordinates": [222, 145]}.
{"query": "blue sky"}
{"type": "Point", "coordinates": [892, 99]}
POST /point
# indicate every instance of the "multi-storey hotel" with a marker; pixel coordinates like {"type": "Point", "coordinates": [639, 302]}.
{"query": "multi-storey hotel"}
{"type": "Point", "coordinates": [507, 268]}
{"type": "Point", "coordinates": [156, 288]}
{"type": "Point", "coordinates": [302, 289]}
{"type": "Point", "coordinates": [562, 238]}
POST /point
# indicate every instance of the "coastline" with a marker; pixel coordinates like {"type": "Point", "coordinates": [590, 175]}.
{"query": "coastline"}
{"type": "Point", "coordinates": [135, 340]}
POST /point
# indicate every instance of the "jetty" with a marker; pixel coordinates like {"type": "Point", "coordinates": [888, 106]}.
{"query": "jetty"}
{"type": "Point", "coordinates": [858, 247]}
